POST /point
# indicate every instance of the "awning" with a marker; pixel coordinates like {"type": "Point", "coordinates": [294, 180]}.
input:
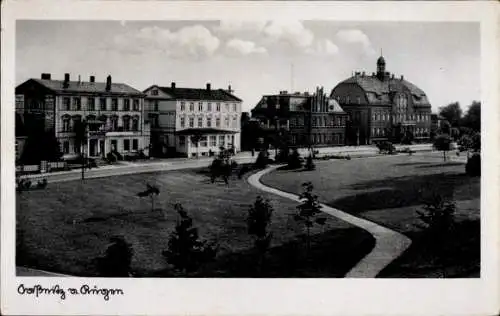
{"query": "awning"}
{"type": "Point", "coordinates": [204, 131]}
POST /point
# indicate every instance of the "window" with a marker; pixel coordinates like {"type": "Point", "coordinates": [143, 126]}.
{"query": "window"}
{"type": "Point", "coordinates": [154, 92]}
{"type": "Point", "coordinates": [182, 141]}
{"type": "Point", "coordinates": [183, 106]}
{"type": "Point", "coordinates": [126, 144]}
{"type": "Point", "coordinates": [217, 122]}
{"type": "Point", "coordinates": [235, 107]}
{"type": "Point", "coordinates": [200, 106]}
{"type": "Point", "coordinates": [226, 122]}
{"type": "Point", "coordinates": [222, 140]}
{"type": "Point", "coordinates": [126, 104]}
{"type": "Point", "coordinates": [66, 124]}
{"type": "Point", "coordinates": [315, 121]}
{"type": "Point", "coordinates": [234, 122]}
{"type": "Point", "coordinates": [232, 140]}
{"type": "Point", "coordinates": [102, 104]}
{"type": "Point", "coordinates": [209, 106]}
{"type": "Point", "coordinates": [76, 148]}
{"type": "Point", "coordinates": [203, 141]}
{"type": "Point", "coordinates": [200, 121]}
{"type": "Point", "coordinates": [77, 104]}
{"type": "Point", "coordinates": [135, 144]}
{"type": "Point", "coordinates": [155, 106]}
{"type": "Point", "coordinates": [114, 122]}
{"type": "Point", "coordinates": [66, 147]}
{"type": "Point", "coordinates": [126, 122]}
{"type": "Point", "coordinates": [114, 104]}
{"type": "Point", "coordinates": [183, 122]}
{"type": "Point", "coordinates": [136, 105]}
{"type": "Point", "coordinates": [213, 141]}
{"type": "Point", "coordinates": [191, 107]}
{"type": "Point", "coordinates": [218, 107]}
{"type": "Point", "coordinates": [135, 124]}
{"type": "Point", "coordinates": [91, 104]}
{"type": "Point", "coordinates": [209, 121]}
{"type": "Point", "coordinates": [227, 107]}
{"type": "Point", "coordinates": [191, 122]}
{"type": "Point", "coordinates": [66, 104]}
{"type": "Point", "coordinates": [76, 120]}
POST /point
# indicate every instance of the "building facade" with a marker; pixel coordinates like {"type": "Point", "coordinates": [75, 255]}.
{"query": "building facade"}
{"type": "Point", "coordinates": [382, 107]}
{"type": "Point", "coordinates": [307, 119]}
{"type": "Point", "coordinates": [113, 114]}
{"type": "Point", "coordinates": [191, 122]}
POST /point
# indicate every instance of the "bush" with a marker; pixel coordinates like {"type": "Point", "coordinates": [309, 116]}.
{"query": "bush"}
{"type": "Point", "coordinates": [117, 260]}
{"type": "Point", "coordinates": [262, 160]}
{"type": "Point", "coordinates": [258, 220]}
{"type": "Point", "coordinates": [386, 147]}
{"type": "Point", "coordinates": [309, 163]}
{"type": "Point", "coordinates": [186, 252]}
{"type": "Point", "coordinates": [294, 160]}
{"type": "Point", "coordinates": [473, 166]}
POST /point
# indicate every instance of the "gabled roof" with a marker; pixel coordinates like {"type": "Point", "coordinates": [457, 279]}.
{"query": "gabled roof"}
{"type": "Point", "coordinates": [334, 106]}
{"type": "Point", "coordinates": [199, 94]}
{"type": "Point", "coordinates": [379, 87]}
{"type": "Point", "coordinates": [87, 87]}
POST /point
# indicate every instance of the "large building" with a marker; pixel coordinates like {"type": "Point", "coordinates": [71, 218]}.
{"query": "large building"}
{"type": "Point", "coordinates": [307, 119]}
{"type": "Point", "coordinates": [113, 113]}
{"type": "Point", "coordinates": [191, 122]}
{"type": "Point", "coordinates": [382, 107]}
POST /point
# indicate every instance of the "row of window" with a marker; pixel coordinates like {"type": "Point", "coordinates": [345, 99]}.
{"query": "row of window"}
{"type": "Point", "coordinates": [319, 121]}
{"type": "Point", "coordinates": [347, 99]}
{"type": "Point", "coordinates": [201, 106]}
{"type": "Point", "coordinates": [385, 116]}
{"type": "Point", "coordinates": [191, 121]}
{"type": "Point", "coordinates": [75, 104]}
{"type": "Point", "coordinates": [212, 140]}
{"type": "Point", "coordinates": [128, 123]}
{"type": "Point", "coordinates": [126, 146]}
{"type": "Point", "coordinates": [377, 131]}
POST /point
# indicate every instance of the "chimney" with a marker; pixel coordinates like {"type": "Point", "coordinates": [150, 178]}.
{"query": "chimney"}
{"type": "Point", "coordinates": [92, 78]}
{"type": "Point", "coordinates": [392, 76]}
{"type": "Point", "coordinates": [79, 79]}
{"type": "Point", "coordinates": [229, 89]}
{"type": "Point", "coordinates": [45, 76]}
{"type": "Point", "coordinates": [402, 77]}
{"type": "Point", "coordinates": [108, 83]}
{"type": "Point", "coordinates": [66, 81]}
{"type": "Point", "coordinates": [172, 85]}
{"type": "Point", "coordinates": [208, 86]}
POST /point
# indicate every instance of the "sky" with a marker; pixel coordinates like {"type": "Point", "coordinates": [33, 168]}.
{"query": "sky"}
{"type": "Point", "coordinates": [255, 57]}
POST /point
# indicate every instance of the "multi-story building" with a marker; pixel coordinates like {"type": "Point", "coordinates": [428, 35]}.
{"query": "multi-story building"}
{"type": "Point", "coordinates": [308, 119]}
{"type": "Point", "coordinates": [113, 113]}
{"type": "Point", "coordinates": [382, 107]}
{"type": "Point", "coordinates": [180, 115]}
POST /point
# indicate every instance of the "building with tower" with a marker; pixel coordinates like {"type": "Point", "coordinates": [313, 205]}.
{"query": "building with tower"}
{"type": "Point", "coordinates": [382, 107]}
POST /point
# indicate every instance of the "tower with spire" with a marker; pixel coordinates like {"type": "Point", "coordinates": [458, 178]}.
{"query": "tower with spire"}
{"type": "Point", "coordinates": [381, 67]}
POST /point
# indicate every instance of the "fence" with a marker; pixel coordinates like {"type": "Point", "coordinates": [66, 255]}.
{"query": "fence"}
{"type": "Point", "coordinates": [43, 167]}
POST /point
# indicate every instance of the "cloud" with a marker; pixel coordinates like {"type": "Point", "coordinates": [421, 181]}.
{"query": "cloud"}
{"type": "Point", "coordinates": [238, 26]}
{"type": "Point", "coordinates": [241, 47]}
{"type": "Point", "coordinates": [191, 42]}
{"type": "Point", "coordinates": [292, 32]}
{"type": "Point", "coordinates": [323, 47]}
{"type": "Point", "coordinates": [354, 36]}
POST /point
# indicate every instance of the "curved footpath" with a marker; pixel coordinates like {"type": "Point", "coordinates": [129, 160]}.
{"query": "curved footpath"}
{"type": "Point", "coordinates": [389, 244]}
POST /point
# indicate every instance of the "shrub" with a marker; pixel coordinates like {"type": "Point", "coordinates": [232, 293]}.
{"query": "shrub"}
{"type": "Point", "coordinates": [283, 154]}
{"type": "Point", "coordinates": [294, 160]}
{"type": "Point", "coordinates": [258, 220]}
{"type": "Point", "coordinates": [262, 159]}
{"type": "Point", "coordinates": [186, 252]}
{"type": "Point", "coordinates": [473, 166]}
{"type": "Point", "coordinates": [117, 260]}
{"type": "Point", "coordinates": [222, 167]}
{"type": "Point", "coordinates": [442, 143]}
{"type": "Point", "coordinates": [309, 163]}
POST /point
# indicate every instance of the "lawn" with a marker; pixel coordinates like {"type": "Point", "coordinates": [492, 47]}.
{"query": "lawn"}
{"type": "Point", "coordinates": [389, 191]}
{"type": "Point", "coordinates": [66, 226]}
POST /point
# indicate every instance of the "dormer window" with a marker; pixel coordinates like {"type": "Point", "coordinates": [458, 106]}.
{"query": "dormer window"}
{"type": "Point", "coordinates": [154, 92]}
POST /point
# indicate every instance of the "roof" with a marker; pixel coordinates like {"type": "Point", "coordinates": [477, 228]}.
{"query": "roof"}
{"type": "Point", "coordinates": [193, 131]}
{"type": "Point", "coordinates": [334, 106]}
{"type": "Point", "coordinates": [86, 86]}
{"type": "Point", "coordinates": [199, 94]}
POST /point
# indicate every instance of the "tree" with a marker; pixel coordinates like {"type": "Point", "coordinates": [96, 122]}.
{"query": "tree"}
{"type": "Point", "coordinates": [452, 113]}
{"type": "Point", "coordinates": [476, 142]}
{"type": "Point", "coordinates": [151, 191]}
{"type": "Point", "coordinates": [196, 138]}
{"type": "Point", "coordinates": [310, 163]}
{"type": "Point", "coordinates": [442, 143]}
{"type": "Point", "coordinates": [41, 145]}
{"type": "Point", "coordinates": [186, 252]}
{"type": "Point", "coordinates": [465, 143]}
{"type": "Point", "coordinates": [308, 210]}
{"type": "Point", "coordinates": [262, 159]}
{"type": "Point", "coordinates": [294, 160]}
{"type": "Point", "coordinates": [258, 220]}
{"type": "Point", "coordinates": [117, 260]}
{"type": "Point", "coordinates": [472, 118]}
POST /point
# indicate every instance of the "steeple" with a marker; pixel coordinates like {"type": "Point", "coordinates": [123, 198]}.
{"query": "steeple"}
{"type": "Point", "coordinates": [381, 66]}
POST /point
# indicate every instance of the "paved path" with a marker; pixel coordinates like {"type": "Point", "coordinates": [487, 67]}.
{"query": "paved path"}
{"type": "Point", "coordinates": [388, 244]}
{"type": "Point", "coordinates": [28, 272]}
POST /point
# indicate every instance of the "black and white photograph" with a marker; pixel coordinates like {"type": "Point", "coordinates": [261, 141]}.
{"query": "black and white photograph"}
{"type": "Point", "coordinates": [205, 148]}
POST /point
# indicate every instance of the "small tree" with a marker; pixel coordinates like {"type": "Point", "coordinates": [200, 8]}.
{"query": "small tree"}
{"type": "Point", "coordinates": [262, 159]}
{"type": "Point", "coordinates": [442, 143]}
{"type": "Point", "coordinates": [152, 191]}
{"type": "Point", "coordinates": [186, 252]}
{"type": "Point", "coordinates": [117, 260]}
{"type": "Point", "coordinates": [465, 143]}
{"type": "Point", "coordinates": [308, 210]}
{"type": "Point", "coordinates": [476, 142]}
{"type": "Point", "coordinates": [258, 220]}
{"type": "Point", "coordinates": [294, 160]}
{"type": "Point", "coordinates": [309, 163]}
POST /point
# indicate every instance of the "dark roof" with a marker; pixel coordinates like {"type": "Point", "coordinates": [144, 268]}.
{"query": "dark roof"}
{"type": "Point", "coordinates": [379, 90]}
{"type": "Point", "coordinates": [86, 86]}
{"type": "Point", "coordinates": [199, 94]}
{"type": "Point", "coordinates": [381, 60]}
{"type": "Point", "coordinates": [193, 131]}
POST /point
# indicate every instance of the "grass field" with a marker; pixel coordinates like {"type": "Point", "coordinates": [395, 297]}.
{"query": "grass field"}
{"type": "Point", "coordinates": [64, 227]}
{"type": "Point", "coordinates": [389, 191]}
